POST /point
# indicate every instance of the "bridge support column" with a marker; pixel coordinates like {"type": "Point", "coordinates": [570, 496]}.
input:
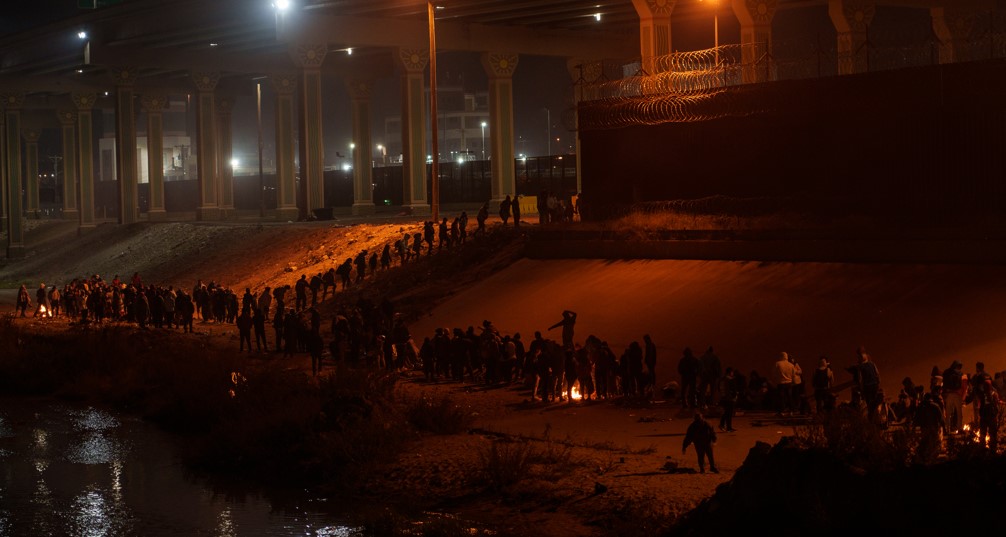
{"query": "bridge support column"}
{"type": "Point", "coordinates": [153, 106]}
{"type": "Point", "coordinates": [953, 27]}
{"type": "Point", "coordinates": [12, 103]}
{"type": "Point", "coordinates": [414, 103]}
{"type": "Point", "coordinates": [125, 145]}
{"type": "Point", "coordinates": [67, 122]}
{"type": "Point", "coordinates": [654, 31]}
{"type": "Point", "coordinates": [756, 17]}
{"type": "Point", "coordinates": [309, 58]}
{"type": "Point", "coordinates": [31, 171]}
{"type": "Point", "coordinates": [85, 157]}
{"type": "Point", "coordinates": [225, 150]}
{"type": "Point", "coordinates": [852, 20]}
{"type": "Point", "coordinates": [363, 169]}
{"type": "Point", "coordinates": [4, 210]}
{"type": "Point", "coordinates": [500, 68]}
{"type": "Point", "coordinates": [206, 132]}
{"type": "Point", "coordinates": [286, 190]}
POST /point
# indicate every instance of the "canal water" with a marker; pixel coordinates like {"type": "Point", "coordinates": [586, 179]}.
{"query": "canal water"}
{"type": "Point", "coordinates": [76, 470]}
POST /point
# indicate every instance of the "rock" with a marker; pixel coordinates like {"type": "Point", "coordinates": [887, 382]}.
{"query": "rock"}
{"type": "Point", "coordinates": [289, 269]}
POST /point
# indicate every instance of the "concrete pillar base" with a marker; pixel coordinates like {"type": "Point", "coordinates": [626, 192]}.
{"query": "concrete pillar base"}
{"type": "Point", "coordinates": [364, 208]}
{"type": "Point", "coordinates": [157, 215]}
{"type": "Point", "coordinates": [418, 209]}
{"type": "Point", "coordinates": [208, 214]}
{"type": "Point", "coordinates": [71, 214]}
{"type": "Point", "coordinates": [288, 214]}
{"type": "Point", "coordinates": [15, 252]}
{"type": "Point", "coordinates": [85, 228]}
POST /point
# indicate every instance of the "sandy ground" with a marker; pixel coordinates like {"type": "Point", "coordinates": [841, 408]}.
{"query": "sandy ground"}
{"type": "Point", "coordinates": [909, 317]}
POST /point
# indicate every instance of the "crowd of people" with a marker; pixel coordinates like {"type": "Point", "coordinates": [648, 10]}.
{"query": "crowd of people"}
{"type": "Point", "coordinates": [366, 334]}
{"type": "Point", "coordinates": [936, 412]}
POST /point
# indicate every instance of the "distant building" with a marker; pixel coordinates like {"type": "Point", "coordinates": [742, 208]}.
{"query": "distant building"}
{"type": "Point", "coordinates": [178, 159]}
{"type": "Point", "coordinates": [461, 134]}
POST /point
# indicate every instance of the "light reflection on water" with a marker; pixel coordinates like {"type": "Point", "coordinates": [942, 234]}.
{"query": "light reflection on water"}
{"type": "Point", "coordinates": [79, 471]}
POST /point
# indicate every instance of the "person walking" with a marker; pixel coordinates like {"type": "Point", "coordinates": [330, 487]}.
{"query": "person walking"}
{"type": "Point", "coordinates": [505, 209]}
{"type": "Point", "coordinates": [701, 433]}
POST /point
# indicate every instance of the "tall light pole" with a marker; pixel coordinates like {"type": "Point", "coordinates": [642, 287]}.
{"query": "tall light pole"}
{"type": "Point", "coordinates": [548, 131]}
{"type": "Point", "coordinates": [716, 27]}
{"type": "Point", "coordinates": [435, 168]}
{"type": "Point", "coordinates": [261, 176]}
{"type": "Point", "coordinates": [484, 125]}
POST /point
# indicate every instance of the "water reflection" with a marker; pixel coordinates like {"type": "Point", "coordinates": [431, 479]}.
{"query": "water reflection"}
{"type": "Point", "coordinates": [70, 470]}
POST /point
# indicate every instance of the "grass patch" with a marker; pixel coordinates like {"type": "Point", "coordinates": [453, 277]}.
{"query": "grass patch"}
{"type": "Point", "coordinates": [438, 414]}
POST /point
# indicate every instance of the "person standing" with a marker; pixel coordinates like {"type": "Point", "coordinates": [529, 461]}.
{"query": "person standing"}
{"type": "Point", "coordinates": [42, 297]}
{"type": "Point", "coordinates": [278, 325]}
{"type": "Point", "coordinates": [23, 300]}
{"type": "Point", "coordinates": [244, 323]}
{"type": "Point", "coordinates": [728, 400]}
{"type": "Point", "coordinates": [688, 368]}
{"type": "Point", "coordinates": [481, 218]}
{"type": "Point", "coordinates": [443, 235]}
{"type": "Point", "coordinates": [386, 257]}
{"type": "Point", "coordinates": [710, 371]}
{"type": "Point", "coordinates": [987, 399]}
{"type": "Point", "coordinates": [799, 401]}
{"type": "Point", "coordinates": [650, 359]}
{"type": "Point", "coordinates": [258, 322]}
{"type": "Point", "coordinates": [567, 323]}
{"type": "Point", "coordinates": [823, 380]}
{"type": "Point", "coordinates": [300, 289]}
{"type": "Point", "coordinates": [265, 301]}
{"type": "Point", "coordinates": [869, 384]}
{"type": "Point", "coordinates": [515, 209]}
{"type": "Point", "coordinates": [701, 433]}
{"type": "Point", "coordinates": [463, 226]}
{"type": "Point", "coordinates": [784, 372]}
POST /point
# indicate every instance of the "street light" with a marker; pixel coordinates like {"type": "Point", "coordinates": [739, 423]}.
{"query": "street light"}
{"type": "Point", "coordinates": [716, 27]}
{"type": "Point", "coordinates": [548, 131]}
{"type": "Point", "coordinates": [384, 154]}
{"type": "Point", "coordinates": [484, 125]}
{"type": "Point", "coordinates": [435, 166]}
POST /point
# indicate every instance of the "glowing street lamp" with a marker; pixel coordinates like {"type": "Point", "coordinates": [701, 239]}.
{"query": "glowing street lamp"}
{"type": "Point", "coordinates": [716, 27]}
{"type": "Point", "coordinates": [435, 167]}
{"type": "Point", "coordinates": [484, 125]}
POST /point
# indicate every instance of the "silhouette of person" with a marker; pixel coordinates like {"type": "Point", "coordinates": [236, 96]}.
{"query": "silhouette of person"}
{"type": "Point", "coordinates": [701, 433]}
{"type": "Point", "coordinates": [567, 323]}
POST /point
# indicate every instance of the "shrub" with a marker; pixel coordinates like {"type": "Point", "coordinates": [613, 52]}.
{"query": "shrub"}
{"type": "Point", "coordinates": [438, 415]}
{"type": "Point", "coordinates": [505, 463]}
